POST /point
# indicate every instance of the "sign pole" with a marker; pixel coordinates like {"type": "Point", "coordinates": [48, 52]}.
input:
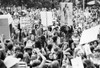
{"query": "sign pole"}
{"type": "Point", "coordinates": [83, 5]}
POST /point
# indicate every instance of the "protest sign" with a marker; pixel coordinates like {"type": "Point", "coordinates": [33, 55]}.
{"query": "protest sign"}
{"type": "Point", "coordinates": [43, 18]}
{"type": "Point", "coordinates": [49, 18]}
{"type": "Point", "coordinates": [66, 13]}
{"type": "Point", "coordinates": [4, 26]}
{"type": "Point", "coordinates": [70, 16]}
{"type": "Point", "coordinates": [25, 22]}
{"type": "Point", "coordinates": [62, 12]}
{"type": "Point", "coordinates": [46, 18]}
{"type": "Point", "coordinates": [77, 63]}
{"type": "Point", "coordinates": [89, 35]}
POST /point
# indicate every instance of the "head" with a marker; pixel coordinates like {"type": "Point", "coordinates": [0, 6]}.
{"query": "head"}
{"type": "Point", "coordinates": [75, 33]}
{"type": "Point", "coordinates": [50, 28]}
{"type": "Point", "coordinates": [32, 37]}
{"type": "Point", "coordinates": [18, 49]}
{"type": "Point", "coordinates": [54, 39]}
{"type": "Point", "coordinates": [55, 64]}
{"type": "Point", "coordinates": [43, 38]}
{"type": "Point", "coordinates": [10, 46]}
{"type": "Point", "coordinates": [19, 55]}
{"type": "Point", "coordinates": [49, 47]}
{"type": "Point", "coordinates": [28, 50]}
{"type": "Point", "coordinates": [95, 43]}
{"type": "Point", "coordinates": [38, 44]}
{"type": "Point", "coordinates": [88, 64]}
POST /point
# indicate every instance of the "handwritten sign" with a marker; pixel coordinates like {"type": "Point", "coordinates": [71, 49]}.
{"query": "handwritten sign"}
{"type": "Point", "coordinates": [25, 21]}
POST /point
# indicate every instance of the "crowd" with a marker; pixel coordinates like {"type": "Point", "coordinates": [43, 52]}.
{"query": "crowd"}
{"type": "Point", "coordinates": [54, 46]}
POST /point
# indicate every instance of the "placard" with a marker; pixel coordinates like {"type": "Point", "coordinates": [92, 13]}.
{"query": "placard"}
{"type": "Point", "coordinates": [25, 22]}
{"type": "Point", "coordinates": [70, 14]}
{"type": "Point", "coordinates": [89, 35]}
{"type": "Point", "coordinates": [62, 5]}
{"type": "Point", "coordinates": [47, 18]}
{"type": "Point", "coordinates": [77, 63]}
{"type": "Point", "coordinates": [43, 18]}
{"type": "Point", "coordinates": [66, 13]}
{"type": "Point", "coordinates": [4, 28]}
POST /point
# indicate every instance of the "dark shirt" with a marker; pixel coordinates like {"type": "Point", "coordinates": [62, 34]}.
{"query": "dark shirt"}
{"type": "Point", "coordinates": [2, 65]}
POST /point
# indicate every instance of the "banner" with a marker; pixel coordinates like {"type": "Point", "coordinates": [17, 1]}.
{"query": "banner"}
{"type": "Point", "coordinates": [62, 5]}
{"type": "Point", "coordinates": [47, 18]}
{"type": "Point", "coordinates": [77, 63]}
{"type": "Point", "coordinates": [43, 18]}
{"type": "Point", "coordinates": [66, 13]}
{"type": "Point", "coordinates": [70, 14]}
{"type": "Point", "coordinates": [25, 22]}
{"type": "Point", "coordinates": [89, 35]}
{"type": "Point", "coordinates": [4, 26]}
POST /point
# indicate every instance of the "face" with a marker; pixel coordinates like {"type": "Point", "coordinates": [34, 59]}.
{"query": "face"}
{"type": "Point", "coordinates": [32, 37]}
{"type": "Point", "coordinates": [79, 29]}
{"type": "Point", "coordinates": [75, 34]}
{"type": "Point", "coordinates": [95, 44]}
{"type": "Point", "coordinates": [17, 51]}
{"type": "Point", "coordinates": [73, 46]}
{"type": "Point", "coordinates": [34, 56]}
{"type": "Point", "coordinates": [50, 56]}
{"type": "Point", "coordinates": [29, 51]}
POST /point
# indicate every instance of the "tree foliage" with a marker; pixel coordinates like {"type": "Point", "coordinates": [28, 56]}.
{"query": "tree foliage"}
{"type": "Point", "coordinates": [31, 3]}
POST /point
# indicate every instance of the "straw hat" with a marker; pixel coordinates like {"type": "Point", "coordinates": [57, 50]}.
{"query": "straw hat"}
{"type": "Point", "coordinates": [28, 45]}
{"type": "Point", "coordinates": [11, 61]}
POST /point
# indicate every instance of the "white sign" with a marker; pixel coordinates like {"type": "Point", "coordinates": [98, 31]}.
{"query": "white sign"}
{"type": "Point", "coordinates": [77, 63]}
{"type": "Point", "coordinates": [70, 15]}
{"type": "Point", "coordinates": [8, 16]}
{"type": "Point", "coordinates": [89, 35]}
{"type": "Point", "coordinates": [43, 18]}
{"type": "Point", "coordinates": [46, 18]}
{"type": "Point", "coordinates": [25, 21]}
{"type": "Point", "coordinates": [4, 26]}
{"type": "Point", "coordinates": [49, 18]}
{"type": "Point", "coordinates": [62, 12]}
{"type": "Point", "coordinates": [66, 13]}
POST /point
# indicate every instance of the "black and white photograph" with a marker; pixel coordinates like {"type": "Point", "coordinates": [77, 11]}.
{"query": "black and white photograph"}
{"type": "Point", "coordinates": [49, 33]}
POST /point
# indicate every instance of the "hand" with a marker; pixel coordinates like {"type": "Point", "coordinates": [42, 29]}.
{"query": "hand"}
{"type": "Point", "coordinates": [37, 50]}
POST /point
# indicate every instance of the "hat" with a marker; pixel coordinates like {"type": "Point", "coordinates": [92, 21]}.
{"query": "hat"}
{"type": "Point", "coordinates": [28, 47]}
{"type": "Point", "coordinates": [11, 61]}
